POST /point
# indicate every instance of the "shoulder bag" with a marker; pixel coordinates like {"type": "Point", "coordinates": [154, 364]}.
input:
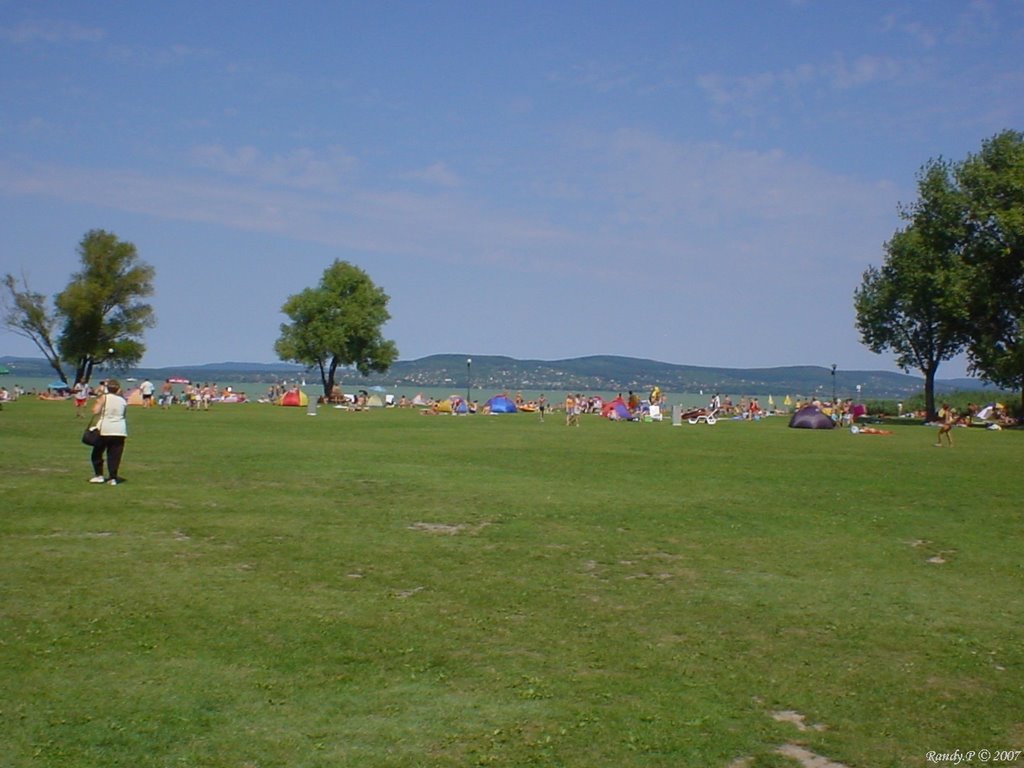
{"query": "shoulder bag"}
{"type": "Point", "coordinates": [92, 436]}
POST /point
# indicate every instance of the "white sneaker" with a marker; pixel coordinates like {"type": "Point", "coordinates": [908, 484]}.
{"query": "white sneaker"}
{"type": "Point", "coordinates": [112, 481]}
{"type": "Point", "coordinates": [98, 480]}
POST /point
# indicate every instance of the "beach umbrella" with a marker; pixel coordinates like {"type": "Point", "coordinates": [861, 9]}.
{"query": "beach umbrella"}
{"type": "Point", "coordinates": [57, 385]}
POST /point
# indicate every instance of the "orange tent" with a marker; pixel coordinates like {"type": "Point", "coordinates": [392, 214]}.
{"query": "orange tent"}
{"type": "Point", "coordinates": [295, 397]}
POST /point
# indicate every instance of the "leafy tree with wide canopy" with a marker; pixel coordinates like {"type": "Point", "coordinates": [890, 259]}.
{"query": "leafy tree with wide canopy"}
{"type": "Point", "coordinates": [909, 306]}
{"type": "Point", "coordinates": [953, 279]}
{"type": "Point", "coordinates": [99, 313]}
{"type": "Point", "coordinates": [338, 323]}
{"type": "Point", "coordinates": [991, 183]}
{"type": "Point", "coordinates": [104, 317]}
{"type": "Point", "coordinates": [914, 305]}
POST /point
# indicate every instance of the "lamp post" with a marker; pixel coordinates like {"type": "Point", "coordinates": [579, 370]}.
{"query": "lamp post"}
{"type": "Point", "coordinates": [469, 368]}
{"type": "Point", "coordinates": [833, 383]}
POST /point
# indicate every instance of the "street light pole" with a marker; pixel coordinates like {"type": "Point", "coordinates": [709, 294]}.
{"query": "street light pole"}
{"type": "Point", "coordinates": [469, 368]}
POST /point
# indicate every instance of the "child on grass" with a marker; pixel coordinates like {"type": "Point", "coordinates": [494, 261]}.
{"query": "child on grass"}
{"type": "Point", "coordinates": [948, 418]}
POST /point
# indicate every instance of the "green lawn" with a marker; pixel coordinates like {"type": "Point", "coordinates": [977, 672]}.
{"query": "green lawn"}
{"type": "Point", "coordinates": [389, 589]}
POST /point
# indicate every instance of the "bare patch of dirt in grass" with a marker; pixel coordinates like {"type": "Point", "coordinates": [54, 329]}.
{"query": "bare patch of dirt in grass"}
{"type": "Point", "coordinates": [404, 594]}
{"type": "Point", "coordinates": [438, 528]}
{"type": "Point", "coordinates": [806, 758]}
{"type": "Point", "coordinates": [938, 556]}
{"type": "Point", "coordinates": [655, 576]}
{"type": "Point", "coordinates": [448, 529]}
{"type": "Point", "coordinates": [795, 718]}
{"type": "Point", "coordinates": [657, 567]}
{"type": "Point", "coordinates": [802, 755]}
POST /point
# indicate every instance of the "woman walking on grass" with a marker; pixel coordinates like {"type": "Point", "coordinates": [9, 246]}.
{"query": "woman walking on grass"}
{"type": "Point", "coordinates": [113, 429]}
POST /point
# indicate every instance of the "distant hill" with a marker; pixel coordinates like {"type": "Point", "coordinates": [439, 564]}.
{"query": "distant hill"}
{"type": "Point", "coordinates": [613, 374]}
{"type": "Point", "coordinates": [600, 373]}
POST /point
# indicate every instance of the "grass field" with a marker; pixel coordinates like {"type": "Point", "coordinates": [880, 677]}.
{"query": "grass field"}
{"type": "Point", "coordinates": [388, 589]}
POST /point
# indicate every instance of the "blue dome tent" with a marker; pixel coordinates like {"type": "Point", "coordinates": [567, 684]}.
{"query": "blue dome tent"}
{"type": "Point", "coordinates": [500, 404]}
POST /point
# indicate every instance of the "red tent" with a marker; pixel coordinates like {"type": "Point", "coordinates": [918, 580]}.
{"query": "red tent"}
{"type": "Point", "coordinates": [616, 409]}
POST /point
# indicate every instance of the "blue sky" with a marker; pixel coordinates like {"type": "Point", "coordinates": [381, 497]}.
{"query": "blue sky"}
{"type": "Point", "coordinates": [698, 183]}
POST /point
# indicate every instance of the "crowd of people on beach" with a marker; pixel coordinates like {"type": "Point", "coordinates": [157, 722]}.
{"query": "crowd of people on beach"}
{"type": "Point", "coordinates": [201, 396]}
{"type": "Point", "coordinates": [193, 396]}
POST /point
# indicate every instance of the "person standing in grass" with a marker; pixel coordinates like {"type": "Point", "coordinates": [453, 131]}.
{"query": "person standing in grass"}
{"type": "Point", "coordinates": [572, 413]}
{"type": "Point", "coordinates": [146, 388]}
{"type": "Point", "coordinates": [81, 394]}
{"type": "Point", "coordinates": [948, 418]}
{"type": "Point", "coordinates": [166, 394]}
{"type": "Point", "coordinates": [113, 429]}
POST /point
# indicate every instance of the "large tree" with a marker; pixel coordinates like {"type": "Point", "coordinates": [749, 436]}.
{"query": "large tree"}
{"type": "Point", "coordinates": [99, 313]}
{"type": "Point", "coordinates": [991, 183]}
{"type": "Point", "coordinates": [338, 323]}
{"type": "Point", "coordinates": [104, 318]}
{"type": "Point", "coordinates": [27, 314]}
{"type": "Point", "coordinates": [915, 304]}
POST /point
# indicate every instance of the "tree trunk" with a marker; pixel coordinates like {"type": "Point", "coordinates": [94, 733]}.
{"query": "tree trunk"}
{"type": "Point", "coordinates": [327, 379]}
{"type": "Point", "coordinates": [55, 364]}
{"type": "Point", "coordinates": [83, 369]}
{"type": "Point", "coordinates": [929, 391]}
{"type": "Point", "coordinates": [323, 375]}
